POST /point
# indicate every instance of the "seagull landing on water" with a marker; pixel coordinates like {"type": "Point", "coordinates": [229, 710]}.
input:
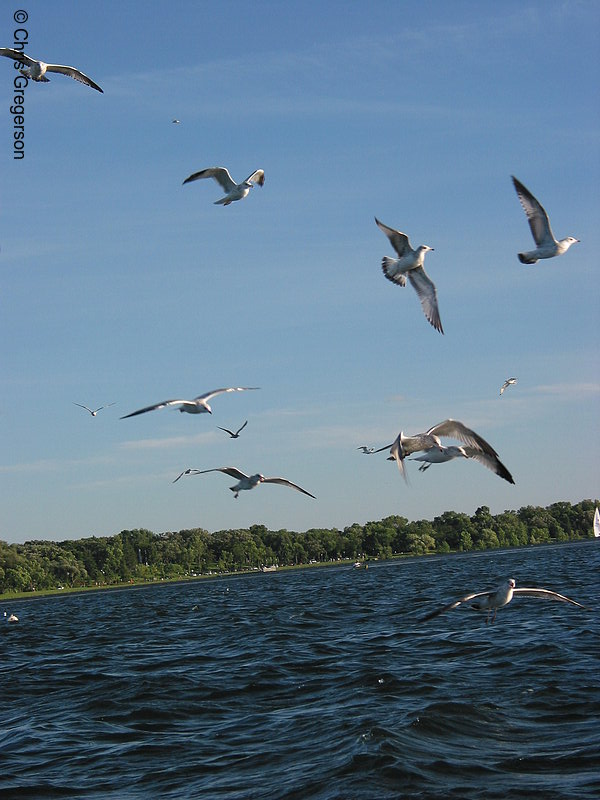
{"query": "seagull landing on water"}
{"type": "Point", "coordinates": [245, 481]}
{"type": "Point", "coordinates": [94, 411]}
{"type": "Point", "coordinates": [436, 453]}
{"type": "Point", "coordinates": [497, 598]}
{"type": "Point", "coordinates": [546, 245]}
{"type": "Point", "coordinates": [410, 263]}
{"type": "Point", "coordinates": [231, 433]}
{"type": "Point", "coordinates": [508, 382]}
{"type": "Point", "coordinates": [234, 191]}
{"type": "Point", "coordinates": [36, 70]}
{"type": "Point", "coordinates": [199, 405]}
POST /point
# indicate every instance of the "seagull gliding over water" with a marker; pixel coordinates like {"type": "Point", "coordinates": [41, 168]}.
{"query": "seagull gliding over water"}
{"type": "Point", "coordinates": [234, 191]}
{"type": "Point", "coordinates": [199, 405]}
{"type": "Point", "coordinates": [497, 598]}
{"type": "Point", "coordinates": [546, 245]}
{"type": "Point", "coordinates": [36, 70]}
{"type": "Point", "coordinates": [410, 263]}
{"type": "Point", "coordinates": [245, 481]}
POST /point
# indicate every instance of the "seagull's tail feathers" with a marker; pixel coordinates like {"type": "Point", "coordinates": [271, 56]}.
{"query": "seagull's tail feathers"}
{"type": "Point", "coordinates": [388, 265]}
{"type": "Point", "coordinates": [526, 258]}
{"type": "Point", "coordinates": [224, 201]}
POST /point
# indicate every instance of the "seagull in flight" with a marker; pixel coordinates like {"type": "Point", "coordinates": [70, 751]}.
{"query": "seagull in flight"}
{"type": "Point", "coordinates": [234, 191]}
{"type": "Point", "coordinates": [93, 412]}
{"type": "Point", "coordinates": [36, 70]}
{"type": "Point", "coordinates": [508, 382]}
{"type": "Point", "coordinates": [431, 444]}
{"type": "Point", "coordinates": [410, 263]}
{"type": "Point", "coordinates": [497, 598]}
{"type": "Point", "coordinates": [244, 481]}
{"type": "Point", "coordinates": [366, 450]}
{"type": "Point", "coordinates": [438, 454]}
{"type": "Point", "coordinates": [546, 245]}
{"type": "Point", "coordinates": [199, 405]}
{"type": "Point", "coordinates": [231, 433]}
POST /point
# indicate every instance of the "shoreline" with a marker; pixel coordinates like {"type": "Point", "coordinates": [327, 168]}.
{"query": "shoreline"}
{"type": "Point", "coordinates": [45, 593]}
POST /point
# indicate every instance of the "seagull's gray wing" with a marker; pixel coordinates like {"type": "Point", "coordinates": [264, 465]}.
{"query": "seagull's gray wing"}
{"type": "Point", "coordinates": [186, 472]}
{"type": "Point", "coordinates": [399, 240]}
{"type": "Point", "coordinates": [9, 52]}
{"type": "Point", "coordinates": [164, 404]}
{"type": "Point", "coordinates": [231, 433]}
{"type": "Point", "coordinates": [220, 174]}
{"type": "Point", "coordinates": [284, 482]}
{"type": "Point", "coordinates": [546, 594]}
{"type": "Point", "coordinates": [234, 472]}
{"type": "Point", "coordinates": [456, 603]}
{"type": "Point", "coordinates": [215, 392]}
{"type": "Point", "coordinates": [239, 430]}
{"type": "Point", "coordinates": [425, 289]}
{"type": "Point", "coordinates": [455, 429]}
{"type": "Point", "coordinates": [258, 176]}
{"type": "Point", "coordinates": [489, 461]}
{"type": "Point", "coordinates": [74, 73]}
{"type": "Point", "coordinates": [86, 408]}
{"type": "Point", "coordinates": [536, 215]}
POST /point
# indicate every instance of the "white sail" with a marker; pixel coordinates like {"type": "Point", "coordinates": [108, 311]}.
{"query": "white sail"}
{"type": "Point", "coordinates": [597, 524]}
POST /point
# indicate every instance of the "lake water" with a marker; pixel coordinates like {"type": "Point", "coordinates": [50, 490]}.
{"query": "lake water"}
{"type": "Point", "coordinates": [318, 684]}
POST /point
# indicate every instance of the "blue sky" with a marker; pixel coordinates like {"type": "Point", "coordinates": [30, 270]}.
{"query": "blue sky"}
{"type": "Point", "coordinates": [118, 284]}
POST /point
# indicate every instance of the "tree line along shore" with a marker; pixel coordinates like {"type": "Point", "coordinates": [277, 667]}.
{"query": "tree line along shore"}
{"type": "Point", "coordinates": [138, 556]}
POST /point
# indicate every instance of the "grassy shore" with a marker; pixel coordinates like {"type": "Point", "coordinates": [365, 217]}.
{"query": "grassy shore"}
{"type": "Point", "coordinates": [132, 584]}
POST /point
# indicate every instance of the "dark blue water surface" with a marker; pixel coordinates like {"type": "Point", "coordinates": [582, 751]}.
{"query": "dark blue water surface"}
{"type": "Point", "coordinates": [313, 684]}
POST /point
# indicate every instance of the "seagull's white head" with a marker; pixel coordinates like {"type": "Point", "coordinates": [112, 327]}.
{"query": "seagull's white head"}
{"type": "Point", "coordinates": [511, 583]}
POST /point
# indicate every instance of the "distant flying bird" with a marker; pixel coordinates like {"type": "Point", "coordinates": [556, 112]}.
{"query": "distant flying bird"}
{"type": "Point", "coordinates": [93, 412]}
{"type": "Point", "coordinates": [440, 454]}
{"type": "Point", "coordinates": [404, 446]}
{"type": "Point", "coordinates": [410, 263]}
{"type": "Point", "coordinates": [36, 70]}
{"type": "Point", "coordinates": [493, 600]}
{"type": "Point", "coordinates": [245, 481]}
{"type": "Point", "coordinates": [176, 121]}
{"type": "Point", "coordinates": [508, 382]}
{"type": "Point", "coordinates": [235, 191]}
{"type": "Point", "coordinates": [231, 433]}
{"type": "Point", "coordinates": [547, 245]}
{"type": "Point", "coordinates": [199, 405]}
{"type": "Point", "coordinates": [366, 450]}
